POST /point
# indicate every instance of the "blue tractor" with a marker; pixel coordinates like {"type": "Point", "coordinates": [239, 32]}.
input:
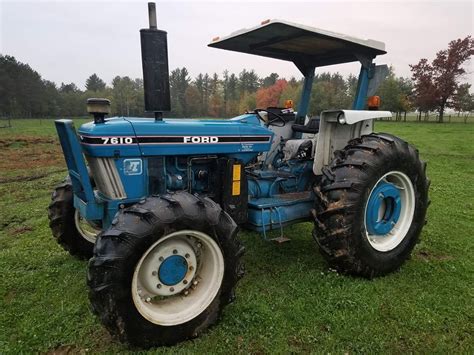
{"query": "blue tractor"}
{"type": "Point", "coordinates": [156, 203]}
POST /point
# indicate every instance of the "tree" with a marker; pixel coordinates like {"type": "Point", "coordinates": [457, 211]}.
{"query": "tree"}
{"type": "Point", "coordinates": [215, 100]}
{"type": "Point", "coordinates": [231, 95]}
{"type": "Point", "coordinates": [124, 92]}
{"type": "Point", "coordinates": [269, 80]}
{"type": "Point", "coordinates": [292, 91]}
{"type": "Point", "coordinates": [330, 91]}
{"type": "Point", "coordinates": [248, 81]}
{"type": "Point", "coordinates": [463, 99]}
{"type": "Point", "coordinates": [394, 93]}
{"type": "Point", "coordinates": [270, 96]}
{"type": "Point", "coordinates": [247, 102]}
{"type": "Point", "coordinates": [94, 83]}
{"type": "Point", "coordinates": [193, 100]}
{"type": "Point", "coordinates": [179, 82]}
{"type": "Point", "coordinates": [22, 90]}
{"type": "Point", "coordinates": [436, 82]}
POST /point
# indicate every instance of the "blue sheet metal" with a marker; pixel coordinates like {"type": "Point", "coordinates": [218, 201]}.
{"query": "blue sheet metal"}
{"type": "Point", "coordinates": [173, 270]}
{"type": "Point", "coordinates": [242, 137]}
{"type": "Point", "coordinates": [385, 197]}
{"type": "Point", "coordinates": [303, 105]}
{"type": "Point", "coordinates": [266, 214]}
{"type": "Point", "coordinates": [362, 87]}
{"type": "Point", "coordinates": [84, 194]}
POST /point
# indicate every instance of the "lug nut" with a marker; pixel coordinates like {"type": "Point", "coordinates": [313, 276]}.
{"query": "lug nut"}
{"type": "Point", "coordinates": [172, 289]}
{"type": "Point", "coordinates": [161, 258]}
{"type": "Point", "coordinates": [199, 245]}
{"type": "Point", "coordinates": [191, 268]}
{"type": "Point", "coordinates": [148, 300]}
{"type": "Point", "coordinates": [158, 286]}
{"type": "Point", "coordinates": [185, 282]}
{"type": "Point", "coordinates": [187, 256]}
{"type": "Point", "coordinates": [175, 251]}
{"type": "Point", "coordinates": [154, 273]}
{"type": "Point", "coordinates": [186, 292]}
{"type": "Point", "coordinates": [195, 283]}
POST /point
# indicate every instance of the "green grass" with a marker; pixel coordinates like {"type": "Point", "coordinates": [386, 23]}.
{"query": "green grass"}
{"type": "Point", "coordinates": [288, 301]}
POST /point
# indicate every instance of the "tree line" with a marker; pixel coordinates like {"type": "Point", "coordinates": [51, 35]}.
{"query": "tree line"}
{"type": "Point", "coordinates": [433, 86]}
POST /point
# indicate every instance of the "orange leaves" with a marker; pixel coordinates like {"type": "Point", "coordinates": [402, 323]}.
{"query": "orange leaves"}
{"type": "Point", "coordinates": [270, 96]}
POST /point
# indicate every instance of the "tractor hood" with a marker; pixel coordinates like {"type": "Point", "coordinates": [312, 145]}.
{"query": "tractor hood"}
{"type": "Point", "coordinates": [120, 136]}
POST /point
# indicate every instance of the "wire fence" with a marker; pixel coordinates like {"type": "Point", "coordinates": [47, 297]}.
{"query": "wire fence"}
{"type": "Point", "coordinates": [468, 117]}
{"type": "Point", "coordinates": [5, 122]}
{"type": "Point", "coordinates": [463, 117]}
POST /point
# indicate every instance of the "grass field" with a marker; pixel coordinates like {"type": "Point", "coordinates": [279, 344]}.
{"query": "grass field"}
{"type": "Point", "coordinates": [287, 302]}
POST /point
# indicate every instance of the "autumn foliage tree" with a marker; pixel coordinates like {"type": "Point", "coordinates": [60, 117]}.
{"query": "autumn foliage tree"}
{"type": "Point", "coordinates": [437, 82]}
{"type": "Point", "coordinates": [270, 96]}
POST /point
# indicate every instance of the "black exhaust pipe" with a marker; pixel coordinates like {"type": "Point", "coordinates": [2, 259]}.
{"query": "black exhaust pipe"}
{"type": "Point", "coordinates": [156, 82]}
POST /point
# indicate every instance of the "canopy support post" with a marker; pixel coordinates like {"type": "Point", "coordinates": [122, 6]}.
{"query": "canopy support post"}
{"type": "Point", "coordinates": [305, 96]}
{"type": "Point", "coordinates": [366, 72]}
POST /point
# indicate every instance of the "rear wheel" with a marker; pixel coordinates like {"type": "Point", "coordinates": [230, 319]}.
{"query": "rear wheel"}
{"type": "Point", "coordinates": [371, 205]}
{"type": "Point", "coordinates": [71, 231]}
{"type": "Point", "coordinates": [165, 269]}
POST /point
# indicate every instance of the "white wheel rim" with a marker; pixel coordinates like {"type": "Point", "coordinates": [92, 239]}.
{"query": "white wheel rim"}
{"type": "Point", "coordinates": [173, 304]}
{"type": "Point", "coordinates": [85, 229]}
{"type": "Point", "coordinates": [389, 241]}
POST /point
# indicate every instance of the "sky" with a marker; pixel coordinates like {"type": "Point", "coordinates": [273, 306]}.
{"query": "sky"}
{"type": "Point", "coordinates": [67, 41]}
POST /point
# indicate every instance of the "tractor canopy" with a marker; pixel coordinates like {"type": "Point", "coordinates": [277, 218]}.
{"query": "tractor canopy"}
{"type": "Point", "coordinates": [303, 45]}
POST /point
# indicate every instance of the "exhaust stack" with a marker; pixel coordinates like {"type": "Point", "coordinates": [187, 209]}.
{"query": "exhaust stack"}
{"type": "Point", "coordinates": [156, 82]}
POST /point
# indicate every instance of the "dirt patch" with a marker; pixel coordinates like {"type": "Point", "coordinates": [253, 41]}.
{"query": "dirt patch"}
{"type": "Point", "coordinates": [17, 220]}
{"type": "Point", "coordinates": [28, 177]}
{"type": "Point", "coordinates": [29, 152]}
{"type": "Point", "coordinates": [428, 256]}
{"type": "Point", "coordinates": [19, 230]}
{"type": "Point", "coordinates": [25, 140]}
{"type": "Point", "coordinates": [67, 349]}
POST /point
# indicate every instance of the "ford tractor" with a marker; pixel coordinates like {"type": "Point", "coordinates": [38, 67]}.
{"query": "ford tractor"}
{"type": "Point", "coordinates": [156, 203]}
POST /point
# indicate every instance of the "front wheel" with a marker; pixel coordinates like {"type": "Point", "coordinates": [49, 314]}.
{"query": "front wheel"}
{"type": "Point", "coordinates": [371, 205]}
{"type": "Point", "coordinates": [165, 269]}
{"type": "Point", "coordinates": [75, 234]}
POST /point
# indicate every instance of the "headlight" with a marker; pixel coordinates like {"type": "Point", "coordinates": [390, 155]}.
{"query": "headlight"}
{"type": "Point", "coordinates": [341, 119]}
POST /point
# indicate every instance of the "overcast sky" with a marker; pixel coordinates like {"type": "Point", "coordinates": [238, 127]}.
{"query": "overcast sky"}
{"type": "Point", "coordinates": [67, 41]}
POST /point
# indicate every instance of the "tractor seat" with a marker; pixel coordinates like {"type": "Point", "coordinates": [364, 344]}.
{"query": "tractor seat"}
{"type": "Point", "coordinates": [311, 127]}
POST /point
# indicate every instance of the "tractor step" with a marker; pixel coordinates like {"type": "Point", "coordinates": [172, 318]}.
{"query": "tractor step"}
{"type": "Point", "coordinates": [269, 213]}
{"type": "Point", "coordinates": [281, 239]}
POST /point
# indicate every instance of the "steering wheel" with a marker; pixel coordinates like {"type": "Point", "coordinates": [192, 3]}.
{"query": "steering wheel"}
{"type": "Point", "coordinates": [272, 122]}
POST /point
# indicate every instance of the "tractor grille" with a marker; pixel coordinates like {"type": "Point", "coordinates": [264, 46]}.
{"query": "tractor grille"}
{"type": "Point", "coordinates": [106, 177]}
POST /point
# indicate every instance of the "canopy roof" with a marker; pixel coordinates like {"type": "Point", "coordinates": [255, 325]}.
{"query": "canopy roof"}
{"type": "Point", "coordinates": [305, 46]}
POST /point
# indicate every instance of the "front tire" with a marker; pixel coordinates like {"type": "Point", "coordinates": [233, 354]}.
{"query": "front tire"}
{"type": "Point", "coordinates": [70, 230]}
{"type": "Point", "coordinates": [371, 205]}
{"type": "Point", "coordinates": [165, 269]}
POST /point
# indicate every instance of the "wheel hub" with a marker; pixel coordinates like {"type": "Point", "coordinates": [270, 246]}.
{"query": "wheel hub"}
{"type": "Point", "coordinates": [383, 209]}
{"type": "Point", "coordinates": [177, 277]}
{"type": "Point", "coordinates": [169, 269]}
{"type": "Point", "coordinates": [173, 270]}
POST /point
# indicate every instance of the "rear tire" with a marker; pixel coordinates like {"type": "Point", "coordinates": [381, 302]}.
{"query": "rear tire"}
{"type": "Point", "coordinates": [134, 314]}
{"type": "Point", "coordinates": [68, 228]}
{"type": "Point", "coordinates": [361, 233]}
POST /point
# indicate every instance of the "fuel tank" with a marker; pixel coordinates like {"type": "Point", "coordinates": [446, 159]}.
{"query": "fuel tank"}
{"type": "Point", "coordinates": [242, 137]}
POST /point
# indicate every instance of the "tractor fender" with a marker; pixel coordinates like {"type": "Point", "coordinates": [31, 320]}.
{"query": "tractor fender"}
{"type": "Point", "coordinates": [337, 128]}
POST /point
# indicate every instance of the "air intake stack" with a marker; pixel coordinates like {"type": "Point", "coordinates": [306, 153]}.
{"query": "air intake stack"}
{"type": "Point", "coordinates": [156, 82]}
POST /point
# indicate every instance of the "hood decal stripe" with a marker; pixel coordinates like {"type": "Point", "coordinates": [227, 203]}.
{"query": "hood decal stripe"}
{"type": "Point", "coordinates": [127, 140]}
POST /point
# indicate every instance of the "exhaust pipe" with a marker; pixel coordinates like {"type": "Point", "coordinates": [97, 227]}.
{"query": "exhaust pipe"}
{"type": "Point", "coordinates": [156, 83]}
